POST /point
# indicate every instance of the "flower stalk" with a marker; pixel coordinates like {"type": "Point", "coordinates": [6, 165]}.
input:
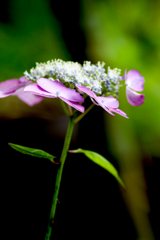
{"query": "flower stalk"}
{"type": "Point", "coordinates": [59, 176]}
{"type": "Point", "coordinates": [72, 121]}
{"type": "Point", "coordinates": [76, 120]}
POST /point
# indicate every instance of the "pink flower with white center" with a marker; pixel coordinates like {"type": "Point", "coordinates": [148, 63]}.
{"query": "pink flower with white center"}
{"type": "Point", "coordinates": [110, 104]}
{"type": "Point", "coordinates": [134, 82]}
{"type": "Point", "coordinates": [53, 89]}
{"type": "Point", "coordinates": [16, 87]}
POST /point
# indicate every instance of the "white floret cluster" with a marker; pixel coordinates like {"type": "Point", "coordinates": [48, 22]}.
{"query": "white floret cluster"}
{"type": "Point", "coordinates": [69, 73]}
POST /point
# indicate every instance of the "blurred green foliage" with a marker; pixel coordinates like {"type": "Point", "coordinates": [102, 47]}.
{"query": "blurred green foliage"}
{"type": "Point", "coordinates": [33, 35]}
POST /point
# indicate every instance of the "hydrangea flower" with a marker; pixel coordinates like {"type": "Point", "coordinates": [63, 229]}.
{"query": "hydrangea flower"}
{"type": "Point", "coordinates": [90, 79]}
{"type": "Point", "coordinates": [52, 89]}
{"type": "Point", "coordinates": [16, 87]}
{"type": "Point", "coordinates": [69, 80]}
{"type": "Point", "coordinates": [134, 83]}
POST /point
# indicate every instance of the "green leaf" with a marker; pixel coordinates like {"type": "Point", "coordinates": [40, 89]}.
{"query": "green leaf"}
{"type": "Point", "coordinates": [33, 152]}
{"type": "Point", "coordinates": [101, 161]}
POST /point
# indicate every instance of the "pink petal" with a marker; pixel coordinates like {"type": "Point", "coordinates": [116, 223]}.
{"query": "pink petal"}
{"type": "Point", "coordinates": [3, 95]}
{"type": "Point", "coordinates": [108, 110]}
{"type": "Point", "coordinates": [9, 85]}
{"type": "Point", "coordinates": [93, 96]}
{"type": "Point", "coordinates": [86, 90]}
{"type": "Point", "coordinates": [29, 98]}
{"type": "Point", "coordinates": [75, 105]}
{"type": "Point", "coordinates": [109, 101]}
{"type": "Point", "coordinates": [119, 112]}
{"type": "Point", "coordinates": [135, 80]}
{"type": "Point", "coordinates": [58, 89]}
{"type": "Point", "coordinates": [100, 103]}
{"type": "Point", "coordinates": [135, 99]}
{"type": "Point", "coordinates": [110, 104]}
{"type": "Point", "coordinates": [35, 89]}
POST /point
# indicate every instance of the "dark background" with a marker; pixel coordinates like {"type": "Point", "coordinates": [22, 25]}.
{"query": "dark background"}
{"type": "Point", "coordinates": [123, 34]}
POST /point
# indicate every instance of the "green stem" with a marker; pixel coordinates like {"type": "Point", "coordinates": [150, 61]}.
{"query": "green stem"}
{"type": "Point", "coordinates": [83, 114]}
{"type": "Point", "coordinates": [59, 176]}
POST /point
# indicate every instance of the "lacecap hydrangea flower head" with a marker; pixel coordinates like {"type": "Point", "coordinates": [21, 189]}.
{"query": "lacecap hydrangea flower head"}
{"type": "Point", "coordinates": [71, 82]}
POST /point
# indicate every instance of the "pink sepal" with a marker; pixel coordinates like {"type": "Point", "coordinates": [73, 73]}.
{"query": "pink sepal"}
{"type": "Point", "coordinates": [134, 98]}
{"type": "Point", "coordinates": [35, 89]}
{"type": "Point", "coordinates": [75, 105]}
{"type": "Point", "coordinates": [27, 97]}
{"type": "Point", "coordinates": [57, 88]}
{"type": "Point", "coordinates": [135, 80]}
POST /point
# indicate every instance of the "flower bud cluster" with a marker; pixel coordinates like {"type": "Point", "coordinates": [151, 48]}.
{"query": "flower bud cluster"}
{"type": "Point", "coordinates": [89, 75]}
